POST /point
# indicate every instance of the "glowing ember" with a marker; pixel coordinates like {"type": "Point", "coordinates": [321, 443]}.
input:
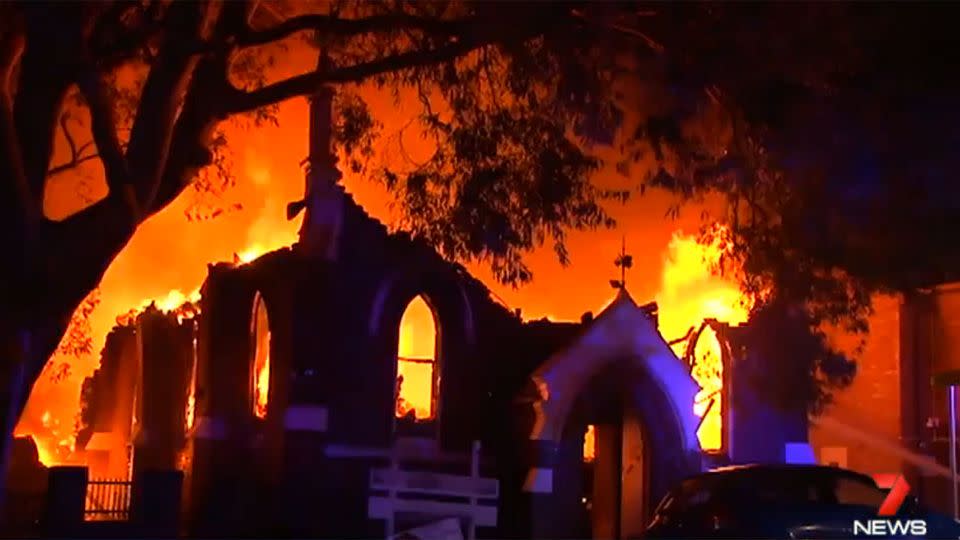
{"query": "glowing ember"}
{"type": "Point", "coordinates": [690, 294]}
{"type": "Point", "coordinates": [416, 361]}
{"type": "Point", "coordinates": [590, 444]}
{"type": "Point", "coordinates": [261, 359]}
{"type": "Point", "coordinates": [191, 410]}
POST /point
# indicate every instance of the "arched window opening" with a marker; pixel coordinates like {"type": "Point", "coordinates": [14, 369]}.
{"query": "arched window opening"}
{"type": "Point", "coordinates": [260, 368]}
{"type": "Point", "coordinates": [416, 363]}
{"type": "Point", "coordinates": [707, 371]}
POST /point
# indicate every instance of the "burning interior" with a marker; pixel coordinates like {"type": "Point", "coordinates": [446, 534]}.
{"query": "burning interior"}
{"type": "Point", "coordinates": [706, 297]}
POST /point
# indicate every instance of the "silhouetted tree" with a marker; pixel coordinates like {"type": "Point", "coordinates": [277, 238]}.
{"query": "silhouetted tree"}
{"type": "Point", "coordinates": [192, 69]}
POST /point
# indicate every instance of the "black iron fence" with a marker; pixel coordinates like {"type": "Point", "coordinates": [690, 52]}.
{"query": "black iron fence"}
{"type": "Point", "coordinates": [108, 500]}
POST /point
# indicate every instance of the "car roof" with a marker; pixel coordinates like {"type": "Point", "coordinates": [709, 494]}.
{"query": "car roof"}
{"type": "Point", "coordinates": [761, 469]}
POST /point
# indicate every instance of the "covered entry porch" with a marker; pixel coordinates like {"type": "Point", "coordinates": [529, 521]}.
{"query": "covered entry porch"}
{"type": "Point", "coordinates": [620, 389]}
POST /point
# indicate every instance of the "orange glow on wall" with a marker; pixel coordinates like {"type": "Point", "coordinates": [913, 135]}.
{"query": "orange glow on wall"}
{"type": "Point", "coordinates": [590, 444]}
{"type": "Point", "coordinates": [416, 362]}
{"type": "Point", "coordinates": [261, 359]}
{"type": "Point", "coordinates": [691, 293]}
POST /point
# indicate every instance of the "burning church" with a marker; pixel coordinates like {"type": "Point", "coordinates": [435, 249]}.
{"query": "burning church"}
{"type": "Point", "coordinates": [292, 403]}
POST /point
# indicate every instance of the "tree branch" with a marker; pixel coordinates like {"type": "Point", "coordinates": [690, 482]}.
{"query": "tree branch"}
{"type": "Point", "coordinates": [162, 96]}
{"type": "Point", "coordinates": [241, 102]}
{"type": "Point", "coordinates": [104, 128]}
{"type": "Point", "coordinates": [46, 72]}
{"type": "Point", "coordinates": [11, 48]}
{"type": "Point", "coordinates": [76, 153]}
{"type": "Point", "coordinates": [72, 164]}
{"type": "Point", "coordinates": [193, 131]}
{"type": "Point", "coordinates": [334, 25]}
{"type": "Point", "coordinates": [113, 42]}
{"type": "Point", "coordinates": [64, 117]}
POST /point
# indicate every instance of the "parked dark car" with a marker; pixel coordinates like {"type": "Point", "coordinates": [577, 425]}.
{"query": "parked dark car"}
{"type": "Point", "coordinates": [784, 501]}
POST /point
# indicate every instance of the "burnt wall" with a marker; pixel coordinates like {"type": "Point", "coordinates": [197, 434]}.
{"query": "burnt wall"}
{"type": "Point", "coordinates": [107, 396]}
{"type": "Point", "coordinates": [166, 350]}
{"type": "Point", "coordinates": [334, 336]}
{"type": "Point", "coordinates": [758, 428]}
{"type": "Point", "coordinates": [238, 458]}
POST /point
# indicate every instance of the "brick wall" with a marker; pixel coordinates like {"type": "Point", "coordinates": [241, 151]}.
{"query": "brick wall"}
{"type": "Point", "coordinates": [872, 402]}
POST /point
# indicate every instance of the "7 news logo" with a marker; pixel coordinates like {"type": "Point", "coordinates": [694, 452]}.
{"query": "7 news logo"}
{"type": "Point", "coordinates": [886, 523]}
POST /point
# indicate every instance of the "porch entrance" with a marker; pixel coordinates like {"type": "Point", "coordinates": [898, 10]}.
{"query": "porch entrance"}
{"type": "Point", "coordinates": [613, 463]}
{"type": "Point", "coordinates": [622, 378]}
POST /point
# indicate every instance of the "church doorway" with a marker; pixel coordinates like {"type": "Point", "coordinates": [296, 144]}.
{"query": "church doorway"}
{"type": "Point", "coordinates": [620, 389]}
{"type": "Point", "coordinates": [608, 462]}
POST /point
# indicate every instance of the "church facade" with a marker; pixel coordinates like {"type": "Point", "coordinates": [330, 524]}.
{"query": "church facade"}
{"type": "Point", "coordinates": [284, 401]}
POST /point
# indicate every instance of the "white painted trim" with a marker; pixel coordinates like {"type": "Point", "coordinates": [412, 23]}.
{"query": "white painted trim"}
{"type": "Point", "coordinates": [401, 451]}
{"type": "Point", "coordinates": [430, 483]}
{"type": "Point", "coordinates": [539, 480]}
{"type": "Point", "coordinates": [387, 508]}
{"type": "Point", "coordinates": [306, 418]}
{"type": "Point", "coordinates": [623, 332]}
{"type": "Point", "coordinates": [209, 428]}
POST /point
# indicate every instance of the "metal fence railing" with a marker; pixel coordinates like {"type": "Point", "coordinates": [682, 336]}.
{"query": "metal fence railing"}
{"type": "Point", "coordinates": [108, 500]}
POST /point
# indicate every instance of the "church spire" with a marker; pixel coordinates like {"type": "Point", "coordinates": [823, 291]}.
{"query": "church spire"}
{"type": "Point", "coordinates": [322, 203]}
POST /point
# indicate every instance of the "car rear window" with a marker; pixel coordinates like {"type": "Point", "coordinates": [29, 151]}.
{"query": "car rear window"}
{"type": "Point", "coordinates": [773, 488]}
{"type": "Point", "coordinates": [809, 487]}
{"type": "Point", "coordinates": [857, 492]}
{"type": "Point", "coordinates": [779, 489]}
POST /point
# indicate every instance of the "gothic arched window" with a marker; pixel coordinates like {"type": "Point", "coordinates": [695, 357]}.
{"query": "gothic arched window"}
{"type": "Point", "coordinates": [707, 370]}
{"type": "Point", "coordinates": [260, 360]}
{"type": "Point", "coordinates": [417, 375]}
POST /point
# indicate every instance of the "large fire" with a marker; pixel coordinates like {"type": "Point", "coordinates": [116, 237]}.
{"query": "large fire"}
{"type": "Point", "coordinates": [691, 293]}
{"type": "Point", "coordinates": [167, 259]}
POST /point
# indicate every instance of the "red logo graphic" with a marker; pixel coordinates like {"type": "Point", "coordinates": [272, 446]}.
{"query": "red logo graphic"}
{"type": "Point", "coordinates": [899, 488]}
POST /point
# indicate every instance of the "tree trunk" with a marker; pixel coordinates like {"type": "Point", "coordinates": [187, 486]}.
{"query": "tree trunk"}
{"type": "Point", "coordinates": [13, 395]}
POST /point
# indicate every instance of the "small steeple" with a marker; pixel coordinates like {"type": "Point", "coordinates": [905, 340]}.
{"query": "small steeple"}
{"type": "Point", "coordinates": [323, 194]}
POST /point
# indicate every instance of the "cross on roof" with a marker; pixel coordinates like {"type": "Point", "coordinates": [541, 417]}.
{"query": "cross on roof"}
{"type": "Point", "coordinates": [623, 261]}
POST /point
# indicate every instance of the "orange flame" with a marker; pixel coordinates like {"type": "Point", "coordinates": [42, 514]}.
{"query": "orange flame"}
{"type": "Point", "coordinates": [261, 359]}
{"type": "Point", "coordinates": [590, 444]}
{"type": "Point", "coordinates": [262, 390]}
{"type": "Point", "coordinates": [691, 293]}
